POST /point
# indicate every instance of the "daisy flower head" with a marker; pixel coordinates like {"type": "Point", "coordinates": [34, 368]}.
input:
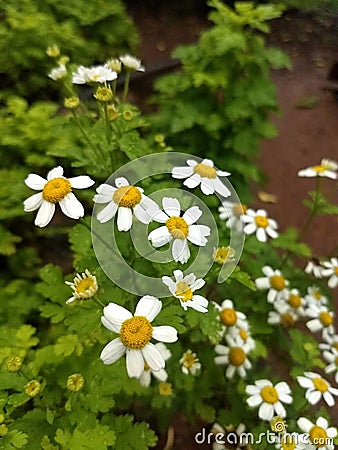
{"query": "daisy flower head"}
{"type": "Point", "coordinates": [274, 282]}
{"type": "Point", "coordinates": [330, 271]}
{"type": "Point", "coordinates": [292, 441]}
{"type": "Point", "coordinates": [327, 168]}
{"type": "Point", "coordinates": [230, 318]}
{"type": "Point", "coordinates": [331, 340]}
{"type": "Point", "coordinates": [319, 434]}
{"type": "Point", "coordinates": [282, 316]}
{"type": "Point", "coordinates": [314, 267]}
{"type": "Point", "coordinates": [202, 174]}
{"type": "Point", "coordinates": [331, 356]}
{"type": "Point", "coordinates": [242, 335]}
{"type": "Point", "coordinates": [223, 255]}
{"type": "Point", "coordinates": [58, 72]}
{"type": "Point", "coordinates": [269, 398]}
{"type": "Point", "coordinates": [233, 214]}
{"type": "Point", "coordinates": [229, 437]}
{"type": "Point", "coordinates": [125, 200]}
{"type": "Point", "coordinates": [321, 320]}
{"type": "Point", "coordinates": [184, 287]}
{"type": "Point", "coordinates": [135, 332]}
{"type": "Point", "coordinates": [315, 297]}
{"type": "Point", "coordinates": [178, 229]}
{"type": "Point", "coordinates": [190, 363]}
{"type": "Point", "coordinates": [55, 189]}
{"type": "Point", "coordinates": [95, 74]}
{"type": "Point", "coordinates": [259, 223]}
{"type": "Point", "coordinates": [234, 356]}
{"type": "Point", "coordinates": [84, 286]}
{"type": "Point", "coordinates": [293, 301]}
{"type": "Point", "coordinates": [161, 375]}
{"type": "Point", "coordinates": [131, 63]}
{"type": "Point", "coordinates": [317, 388]}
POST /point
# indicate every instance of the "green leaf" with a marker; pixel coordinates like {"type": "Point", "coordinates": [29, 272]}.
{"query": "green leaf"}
{"type": "Point", "coordinates": [24, 337]}
{"type": "Point", "coordinates": [132, 145]}
{"type": "Point", "coordinates": [288, 240]}
{"type": "Point", "coordinates": [8, 241]}
{"type": "Point", "coordinates": [244, 278]}
{"type": "Point", "coordinates": [171, 315]}
{"type": "Point", "coordinates": [206, 412]}
{"type": "Point", "coordinates": [98, 438]}
{"type": "Point", "coordinates": [16, 439]}
{"type": "Point", "coordinates": [132, 436]}
{"type": "Point", "coordinates": [68, 344]}
{"type": "Point", "coordinates": [53, 286]}
{"type": "Point", "coordinates": [320, 204]}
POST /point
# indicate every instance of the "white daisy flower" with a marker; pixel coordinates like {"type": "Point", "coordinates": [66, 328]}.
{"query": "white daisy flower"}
{"type": "Point", "coordinates": [230, 318]}
{"type": "Point", "coordinates": [331, 356]}
{"type": "Point", "coordinates": [203, 174]}
{"type": "Point", "coordinates": [269, 398]}
{"type": "Point", "coordinates": [124, 200]}
{"type": "Point", "coordinates": [320, 434]}
{"type": "Point", "coordinates": [230, 437]}
{"type": "Point", "coordinates": [131, 63]}
{"type": "Point", "coordinates": [184, 287]}
{"type": "Point", "coordinates": [330, 271]}
{"type": "Point", "coordinates": [222, 255]}
{"type": "Point", "coordinates": [331, 340]}
{"type": "Point", "coordinates": [233, 214]}
{"type": "Point", "coordinates": [234, 355]}
{"type": "Point", "coordinates": [275, 282]}
{"type": "Point", "coordinates": [190, 363]}
{"type": "Point", "coordinates": [316, 388]}
{"type": "Point", "coordinates": [315, 297]}
{"type": "Point", "coordinates": [293, 441]}
{"type": "Point", "coordinates": [293, 301]}
{"type": "Point", "coordinates": [326, 168]}
{"type": "Point", "coordinates": [178, 229]}
{"type": "Point", "coordinates": [313, 267]}
{"type": "Point", "coordinates": [115, 65]}
{"type": "Point", "coordinates": [96, 74]}
{"type": "Point", "coordinates": [321, 319]}
{"type": "Point", "coordinates": [56, 189]}
{"type": "Point", "coordinates": [242, 335]}
{"type": "Point", "coordinates": [283, 316]}
{"type": "Point", "coordinates": [135, 332]}
{"type": "Point", "coordinates": [258, 222]}
{"type": "Point", "coordinates": [58, 72]}
{"type": "Point", "coordinates": [161, 375]}
{"type": "Point", "coordinates": [84, 286]}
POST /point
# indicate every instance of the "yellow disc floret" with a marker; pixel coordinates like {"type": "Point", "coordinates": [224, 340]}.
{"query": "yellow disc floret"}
{"type": "Point", "coordinates": [294, 300]}
{"type": "Point", "coordinates": [277, 282]}
{"type": "Point", "coordinates": [287, 320]}
{"type": "Point", "coordinates": [319, 169]}
{"type": "Point", "coordinates": [318, 436]}
{"type": "Point", "coordinates": [205, 171]}
{"type": "Point", "coordinates": [236, 356]}
{"type": "Point", "coordinates": [228, 317]}
{"type": "Point", "coordinates": [75, 382]}
{"type": "Point", "coordinates": [261, 221]}
{"type": "Point", "coordinates": [238, 209]}
{"type": "Point", "coordinates": [183, 291]}
{"type": "Point", "coordinates": [326, 318]}
{"type": "Point", "coordinates": [189, 359]}
{"type": "Point", "coordinates": [136, 332]}
{"type": "Point", "coordinates": [127, 196]}
{"type": "Point", "coordinates": [320, 384]}
{"type": "Point", "coordinates": [56, 189]}
{"type": "Point", "coordinates": [177, 227]}
{"type": "Point", "coordinates": [269, 394]}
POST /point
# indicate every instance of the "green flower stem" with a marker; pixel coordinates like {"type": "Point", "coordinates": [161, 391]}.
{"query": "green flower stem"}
{"type": "Point", "coordinates": [83, 222]}
{"type": "Point", "coordinates": [107, 123]}
{"type": "Point", "coordinates": [98, 302]}
{"type": "Point", "coordinates": [126, 86]}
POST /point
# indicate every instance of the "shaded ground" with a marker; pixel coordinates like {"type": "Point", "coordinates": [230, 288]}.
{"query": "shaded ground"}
{"type": "Point", "coordinates": [306, 134]}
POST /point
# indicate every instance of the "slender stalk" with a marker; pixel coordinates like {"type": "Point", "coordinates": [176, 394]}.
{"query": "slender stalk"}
{"type": "Point", "coordinates": [126, 86]}
{"type": "Point", "coordinates": [107, 123]}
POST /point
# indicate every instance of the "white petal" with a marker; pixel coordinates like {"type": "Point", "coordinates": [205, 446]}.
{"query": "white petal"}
{"type": "Point", "coordinates": [305, 382]}
{"type": "Point", "coordinates": [197, 234]}
{"type": "Point", "coordinates": [313, 397]}
{"type": "Point", "coordinates": [116, 315]}
{"type": "Point", "coordinates": [112, 351]}
{"type": "Point", "coordinates": [322, 422]}
{"type": "Point", "coordinates": [160, 236]}
{"type": "Point", "coordinates": [170, 283]}
{"type": "Point", "coordinates": [262, 283]}
{"type": "Point", "coordinates": [207, 186]}
{"type": "Point", "coordinates": [304, 424]}
{"type": "Point", "coordinates": [171, 206]}
{"type": "Point", "coordinates": [314, 325]}
{"type": "Point", "coordinates": [254, 400]}
{"type": "Point", "coordinates": [153, 357]}
{"type": "Point", "coordinates": [192, 215]}
{"type": "Point", "coordinates": [280, 410]}
{"type": "Point", "coordinates": [220, 188]}
{"type": "Point", "coordinates": [71, 206]}
{"type": "Point", "coordinates": [200, 300]}
{"type": "Point", "coordinates": [191, 162]}
{"type": "Point", "coordinates": [198, 284]}
{"type": "Point", "coordinates": [45, 214]}
{"type": "Point", "coordinates": [180, 250]}
{"type": "Point", "coordinates": [57, 172]}
{"type": "Point", "coordinates": [35, 182]}
{"type": "Point", "coordinates": [265, 411]}
{"type": "Point", "coordinates": [81, 182]}
{"type": "Point", "coordinates": [196, 306]}
{"type": "Point", "coordinates": [165, 333]}
{"type": "Point", "coordinates": [145, 378]}
{"type": "Point", "coordinates": [149, 307]}
{"type": "Point", "coordinates": [193, 181]}
{"type": "Point", "coordinates": [253, 390]}
{"type": "Point", "coordinates": [178, 274]}
{"type": "Point", "coordinates": [121, 181]}
{"type": "Point", "coordinates": [33, 202]}
{"type": "Point", "coordinates": [142, 215]}
{"type": "Point", "coordinates": [124, 219]}
{"type": "Point", "coordinates": [272, 233]}
{"type": "Point", "coordinates": [229, 373]}
{"type": "Point", "coordinates": [261, 235]}
{"type": "Point", "coordinates": [107, 213]}
{"type": "Point", "coordinates": [181, 172]}
{"type": "Point", "coordinates": [106, 190]}
{"type": "Point", "coordinates": [250, 228]}
{"type": "Point", "coordinates": [135, 363]}
{"type": "Point", "coordinates": [161, 374]}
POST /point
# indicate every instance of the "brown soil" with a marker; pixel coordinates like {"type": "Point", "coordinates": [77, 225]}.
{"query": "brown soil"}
{"type": "Point", "coordinates": [306, 134]}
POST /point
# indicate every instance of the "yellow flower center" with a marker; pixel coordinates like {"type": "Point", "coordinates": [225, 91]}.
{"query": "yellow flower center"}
{"type": "Point", "coordinates": [32, 388]}
{"type": "Point", "coordinates": [236, 356]}
{"type": "Point", "coordinates": [277, 282]}
{"type": "Point", "coordinates": [223, 254]}
{"type": "Point", "coordinates": [320, 384]}
{"type": "Point", "coordinates": [189, 360]}
{"type": "Point", "coordinates": [165, 389]}
{"type": "Point", "coordinates": [288, 443]}
{"type": "Point", "coordinates": [261, 221]}
{"type": "Point", "coordinates": [228, 317]}
{"type": "Point", "coordinates": [177, 227]}
{"type": "Point", "coordinates": [127, 196]}
{"type": "Point", "coordinates": [86, 287]}
{"type": "Point", "coordinates": [183, 291]}
{"type": "Point", "coordinates": [278, 425]}
{"type": "Point", "coordinates": [325, 318]}
{"type": "Point", "coordinates": [56, 189]}
{"type": "Point", "coordinates": [14, 364]}
{"type": "Point", "coordinates": [319, 168]}
{"type": "Point", "coordinates": [136, 332]}
{"type": "Point", "coordinates": [243, 334]}
{"type": "Point", "coordinates": [287, 320]}
{"type": "Point", "coordinates": [318, 436]}
{"type": "Point", "coordinates": [317, 294]}
{"type": "Point", "coordinates": [205, 171]}
{"type": "Point", "coordinates": [335, 345]}
{"type": "Point", "coordinates": [75, 382]}
{"type": "Point", "coordinates": [294, 300]}
{"type": "Point", "coordinates": [238, 209]}
{"type": "Point", "coordinates": [336, 270]}
{"type": "Point", "coordinates": [269, 394]}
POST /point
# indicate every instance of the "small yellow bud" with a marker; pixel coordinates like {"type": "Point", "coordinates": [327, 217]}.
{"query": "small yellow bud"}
{"type": "Point", "coordinates": [103, 94]}
{"type": "Point", "coordinates": [32, 388]}
{"type": "Point", "coordinates": [2, 418]}
{"type": "Point", "coordinates": [127, 115]}
{"type": "Point", "coordinates": [159, 138]}
{"type": "Point", "coordinates": [14, 364]}
{"type": "Point", "coordinates": [63, 60]}
{"type": "Point", "coordinates": [223, 254]}
{"type": "Point", "coordinates": [53, 51]}
{"type": "Point", "coordinates": [115, 65]}
{"type": "Point", "coordinates": [72, 102]}
{"type": "Point", "coordinates": [75, 382]}
{"type": "Point", "coordinates": [278, 425]}
{"type": "Point", "coordinates": [165, 389]}
{"type": "Point", "coordinates": [3, 430]}
{"type": "Point", "coordinates": [112, 112]}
